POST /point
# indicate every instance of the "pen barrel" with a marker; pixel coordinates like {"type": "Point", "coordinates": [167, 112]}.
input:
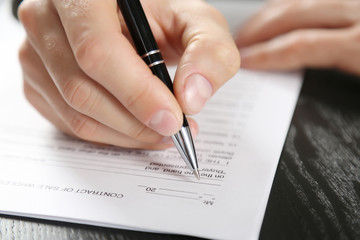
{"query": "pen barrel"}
{"type": "Point", "coordinates": [161, 72]}
{"type": "Point", "coordinates": [143, 39]}
{"type": "Point", "coordinates": [138, 26]}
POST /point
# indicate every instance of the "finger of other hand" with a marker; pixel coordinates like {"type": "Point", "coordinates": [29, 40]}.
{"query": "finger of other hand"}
{"type": "Point", "coordinates": [279, 18]}
{"type": "Point", "coordinates": [322, 48]}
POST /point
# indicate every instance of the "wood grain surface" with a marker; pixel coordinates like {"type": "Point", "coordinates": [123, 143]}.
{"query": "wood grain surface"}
{"type": "Point", "coordinates": [316, 190]}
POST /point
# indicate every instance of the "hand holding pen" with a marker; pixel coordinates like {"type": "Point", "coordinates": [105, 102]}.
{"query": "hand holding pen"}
{"type": "Point", "coordinates": [82, 73]}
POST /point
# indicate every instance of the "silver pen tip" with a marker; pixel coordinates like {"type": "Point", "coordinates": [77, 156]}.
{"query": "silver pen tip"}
{"type": "Point", "coordinates": [196, 173]}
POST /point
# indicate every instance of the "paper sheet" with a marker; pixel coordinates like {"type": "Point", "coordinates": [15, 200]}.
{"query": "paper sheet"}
{"type": "Point", "coordinates": [46, 174]}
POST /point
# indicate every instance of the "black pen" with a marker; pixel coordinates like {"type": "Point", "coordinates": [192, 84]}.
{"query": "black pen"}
{"type": "Point", "coordinates": [148, 49]}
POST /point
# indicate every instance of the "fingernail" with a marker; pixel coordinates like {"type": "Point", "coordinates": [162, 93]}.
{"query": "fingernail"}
{"type": "Point", "coordinates": [164, 122]}
{"type": "Point", "coordinates": [198, 90]}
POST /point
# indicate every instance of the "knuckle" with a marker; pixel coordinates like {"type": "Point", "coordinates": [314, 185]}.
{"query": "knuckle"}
{"type": "Point", "coordinates": [52, 50]}
{"type": "Point", "coordinates": [23, 53]}
{"type": "Point", "coordinates": [28, 93]}
{"type": "Point", "coordinates": [144, 134]}
{"type": "Point", "coordinates": [35, 98]}
{"type": "Point", "coordinates": [30, 11]}
{"type": "Point", "coordinates": [83, 127]}
{"type": "Point", "coordinates": [355, 33]}
{"type": "Point", "coordinates": [230, 57]}
{"type": "Point", "coordinates": [298, 41]}
{"type": "Point", "coordinates": [292, 7]}
{"type": "Point", "coordinates": [138, 132]}
{"type": "Point", "coordinates": [26, 9]}
{"type": "Point", "coordinates": [90, 54]}
{"type": "Point", "coordinates": [80, 95]}
{"type": "Point", "coordinates": [296, 51]}
{"type": "Point", "coordinates": [53, 46]}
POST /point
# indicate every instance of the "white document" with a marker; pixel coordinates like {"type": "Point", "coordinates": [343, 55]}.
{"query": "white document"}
{"type": "Point", "coordinates": [46, 174]}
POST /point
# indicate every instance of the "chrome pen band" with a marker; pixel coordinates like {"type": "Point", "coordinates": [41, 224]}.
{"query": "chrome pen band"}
{"type": "Point", "coordinates": [150, 53]}
{"type": "Point", "coordinates": [156, 63]}
{"type": "Point", "coordinates": [153, 58]}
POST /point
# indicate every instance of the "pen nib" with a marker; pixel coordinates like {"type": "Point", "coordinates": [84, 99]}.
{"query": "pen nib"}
{"type": "Point", "coordinates": [184, 143]}
{"type": "Point", "coordinates": [197, 174]}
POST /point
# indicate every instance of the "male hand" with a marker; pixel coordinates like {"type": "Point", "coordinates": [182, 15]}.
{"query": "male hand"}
{"type": "Point", "coordinates": [82, 73]}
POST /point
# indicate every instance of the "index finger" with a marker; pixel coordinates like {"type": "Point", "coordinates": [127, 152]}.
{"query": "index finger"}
{"type": "Point", "coordinates": [101, 50]}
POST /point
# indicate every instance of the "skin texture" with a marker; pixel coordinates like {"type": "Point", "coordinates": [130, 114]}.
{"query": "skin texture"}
{"type": "Point", "coordinates": [82, 73]}
{"type": "Point", "coordinates": [293, 34]}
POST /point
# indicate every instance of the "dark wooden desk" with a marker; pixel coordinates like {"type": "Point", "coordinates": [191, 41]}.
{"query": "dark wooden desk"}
{"type": "Point", "coordinates": [316, 190]}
